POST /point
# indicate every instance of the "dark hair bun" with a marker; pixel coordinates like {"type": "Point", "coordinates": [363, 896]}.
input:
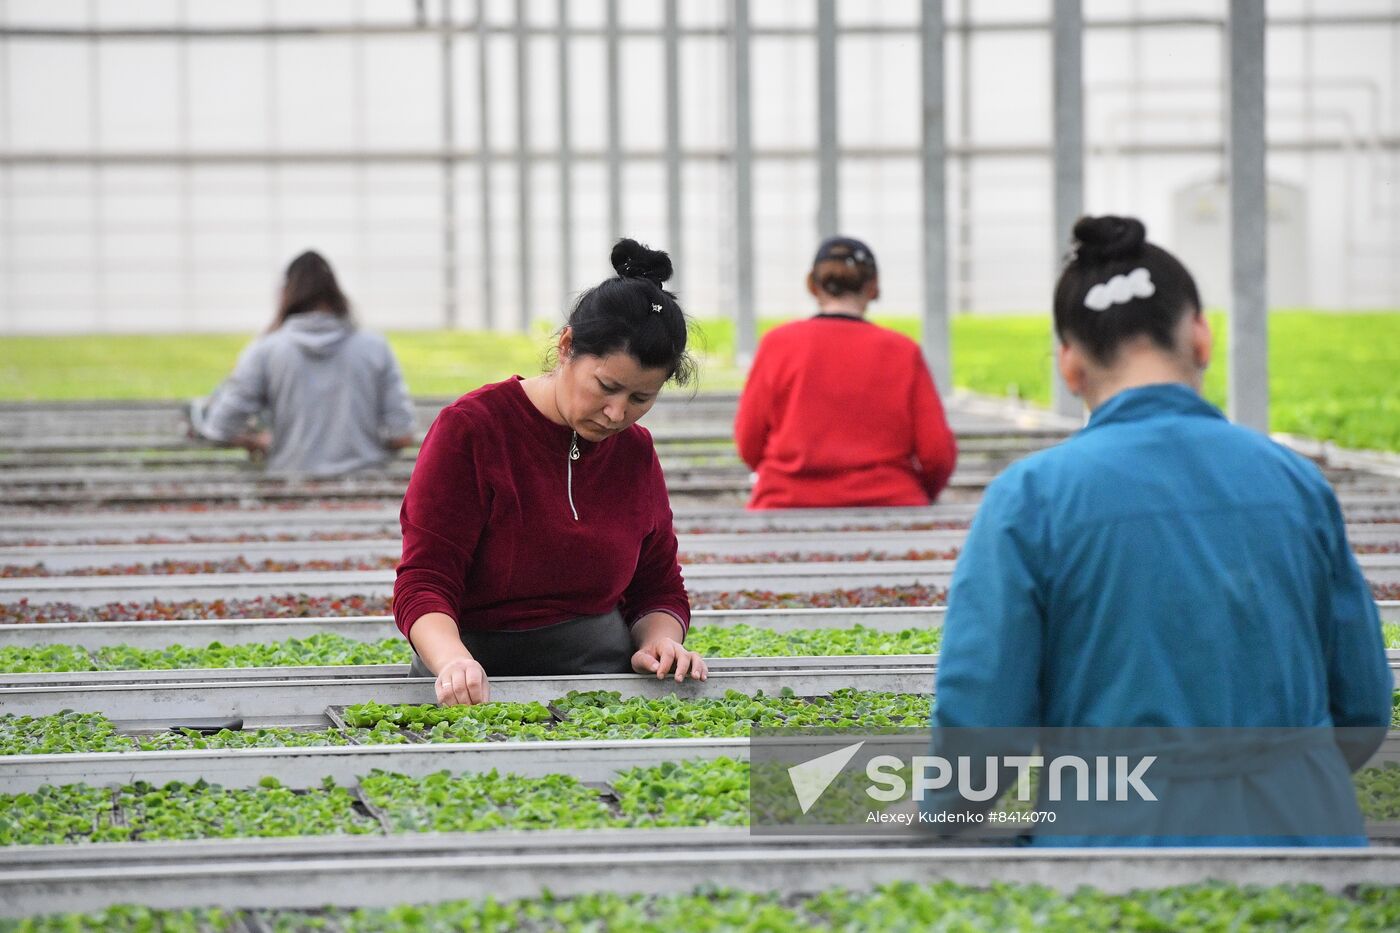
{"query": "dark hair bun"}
{"type": "Point", "coordinates": [632, 260]}
{"type": "Point", "coordinates": [1104, 239]}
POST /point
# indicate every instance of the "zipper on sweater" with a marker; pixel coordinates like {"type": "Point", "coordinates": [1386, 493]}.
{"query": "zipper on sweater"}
{"type": "Point", "coordinates": [573, 455]}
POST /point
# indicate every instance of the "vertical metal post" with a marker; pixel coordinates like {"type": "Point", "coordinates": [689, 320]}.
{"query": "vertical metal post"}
{"type": "Point", "coordinates": [965, 138]}
{"type": "Point", "coordinates": [274, 171]}
{"type": "Point", "coordinates": [184, 172]}
{"type": "Point", "coordinates": [483, 89]}
{"type": "Point", "coordinates": [7, 184]}
{"type": "Point", "coordinates": [449, 174]}
{"type": "Point", "coordinates": [566, 172]}
{"type": "Point", "coordinates": [674, 244]}
{"type": "Point", "coordinates": [745, 322]}
{"type": "Point", "coordinates": [936, 342]}
{"type": "Point", "coordinates": [99, 270]}
{"type": "Point", "coordinates": [1249, 308]}
{"type": "Point", "coordinates": [360, 170]}
{"type": "Point", "coordinates": [522, 159]}
{"type": "Point", "coordinates": [614, 81]}
{"type": "Point", "coordinates": [828, 168]}
{"type": "Point", "coordinates": [1067, 53]}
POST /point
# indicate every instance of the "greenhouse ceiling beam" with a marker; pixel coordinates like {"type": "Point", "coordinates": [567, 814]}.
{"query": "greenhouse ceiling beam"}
{"type": "Point", "coordinates": [73, 157]}
{"type": "Point", "coordinates": [370, 30]}
{"type": "Point", "coordinates": [351, 872]}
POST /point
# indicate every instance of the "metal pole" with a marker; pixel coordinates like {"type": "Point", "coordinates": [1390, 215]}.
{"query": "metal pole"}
{"type": "Point", "coordinates": [182, 119]}
{"type": "Point", "coordinates": [522, 160]}
{"type": "Point", "coordinates": [936, 342]}
{"type": "Point", "coordinates": [828, 208]}
{"type": "Point", "coordinates": [1249, 308]}
{"type": "Point", "coordinates": [965, 134]}
{"type": "Point", "coordinates": [1067, 33]}
{"type": "Point", "coordinates": [449, 176]}
{"type": "Point", "coordinates": [483, 88]}
{"type": "Point", "coordinates": [7, 192]}
{"type": "Point", "coordinates": [745, 323]}
{"type": "Point", "coordinates": [99, 278]}
{"type": "Point", "coordinates": [566, 171]}
{"type": "Point", "coordinates": [614, 81]}
{"type": "Point", "coordinates": [674, 206]}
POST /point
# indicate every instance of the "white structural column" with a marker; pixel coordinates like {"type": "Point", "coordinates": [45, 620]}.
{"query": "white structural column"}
{"type": "Point", "coordinates": [828, 154]}
{"type": "Point", "coordinates": [1067, 56]}
{"type": "Point", "coordinates": [522, 163]}
{"type": "Point", "coordinates": [614, 155]}
{"type": "Point", "coordinates": [449, 172]}
{"type": "Point", "coordinates": [1249, 307]}
{"type": "Point", "coordinates": [745, 323]}
{"type": "Point", "coordinates": [483, 148]}
{"type": "Point", "coordinates": [674, 208]}
{"type": "Point", "coordinates": [936, 343]}
{"type": "Point", "coordinates": [566, 173]}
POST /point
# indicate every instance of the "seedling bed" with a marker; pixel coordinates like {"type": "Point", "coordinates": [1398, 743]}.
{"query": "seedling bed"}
{"type": "Point", "coordinates": [301, 605]}
{"type": "Point", "coordinates": [426, 869]}
{"type": "Point", "coordinates": [302, 702]}
{"type": "Point", "coordinates": [241, 564]}
{"type": "Point", "coordinates": [331, 648]}
{"type": "Point", "coordinates": [892, 906]}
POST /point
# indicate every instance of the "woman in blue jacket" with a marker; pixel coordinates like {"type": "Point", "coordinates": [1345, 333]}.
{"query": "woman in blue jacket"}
{"type": "Point", "coordinates": [1166, 569]}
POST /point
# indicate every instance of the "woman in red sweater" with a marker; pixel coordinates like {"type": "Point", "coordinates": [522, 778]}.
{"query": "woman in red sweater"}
{"type": "Point", "coordinates": [837, 411]}
{"type": "Point", "coordinates": [537, 534]}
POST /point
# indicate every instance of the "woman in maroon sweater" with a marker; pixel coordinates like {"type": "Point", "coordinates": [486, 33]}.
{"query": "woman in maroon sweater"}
{"type": "Point", "coordinates": [537, 534]}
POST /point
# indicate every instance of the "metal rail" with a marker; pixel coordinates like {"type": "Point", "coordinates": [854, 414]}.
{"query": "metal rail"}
{"type": "Point", "coordinates": [426, 868]}
{"type": "Point", "coordinates": [376, 628]}
{"type": "Point", "coordinates": [815, 577]}
{"type": "Point", "coordinates": [588, 761]}
{"type": "Point", "coordinates": [303, 702]}
{"type": "Point", "coordinates": [376, 672]}
{"type": "Point", "coordinates": [1357, 509]}
{"type": "Point", "coordinates": [58, 558]}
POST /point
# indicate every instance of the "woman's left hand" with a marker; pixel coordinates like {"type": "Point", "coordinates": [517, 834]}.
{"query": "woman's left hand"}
{"type": "Point", "coordinates": [660, 654]}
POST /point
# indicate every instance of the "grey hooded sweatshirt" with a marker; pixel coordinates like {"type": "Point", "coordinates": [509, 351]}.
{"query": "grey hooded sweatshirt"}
{"type": "Point", "coordinates": [334, 394]}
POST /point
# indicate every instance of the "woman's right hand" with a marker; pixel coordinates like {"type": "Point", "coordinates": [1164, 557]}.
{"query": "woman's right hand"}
{"type": "Point", "coordinates": [462, 682]}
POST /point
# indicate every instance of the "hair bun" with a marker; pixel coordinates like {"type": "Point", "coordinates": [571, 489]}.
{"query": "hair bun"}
{"type": "Point", "coordinates": [633, 260]}
{"type": "Point", "coordinates": [1101, 239]}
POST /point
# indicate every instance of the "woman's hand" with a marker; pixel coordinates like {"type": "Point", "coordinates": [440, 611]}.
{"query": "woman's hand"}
{"type": "Point", "coordinates": [658, 655]}
{"type": "Point", "coordinates": [657, 636]}
{"type": "Point", "coordinates": [462, 682]}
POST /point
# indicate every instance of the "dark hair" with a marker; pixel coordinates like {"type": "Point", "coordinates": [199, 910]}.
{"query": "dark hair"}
{"type": "Point", "coordinates": [1108, 247]}
{"type": "Point", "coordinates": [621, 313]}
{"type": "Point", "coordinates": [310, 286]}
{"type": "Point", "coordinates": [843, 267]}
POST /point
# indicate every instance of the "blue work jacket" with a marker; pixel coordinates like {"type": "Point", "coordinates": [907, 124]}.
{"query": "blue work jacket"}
{"type": "Point", "coordinates": [1166, 568]}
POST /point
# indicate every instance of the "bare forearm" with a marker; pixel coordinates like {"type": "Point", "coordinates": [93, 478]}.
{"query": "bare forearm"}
{"type": "Point", "coordinates": [438, 642]}
{"type": "Point", "coordinates": [656, 625]}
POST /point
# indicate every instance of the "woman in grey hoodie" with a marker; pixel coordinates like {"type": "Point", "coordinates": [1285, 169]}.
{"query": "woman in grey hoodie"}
{"type": "Point", "coordinates": [334, 394]}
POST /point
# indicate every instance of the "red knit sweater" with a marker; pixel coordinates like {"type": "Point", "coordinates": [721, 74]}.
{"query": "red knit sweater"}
{"type": "Point", "coordinates": [838, 411]}
{"type": "Point", "coordinates": [490, 537]}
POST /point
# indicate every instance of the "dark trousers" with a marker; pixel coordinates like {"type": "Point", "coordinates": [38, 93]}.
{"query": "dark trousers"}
{"type": "Point", "coordinates": [586, 645]}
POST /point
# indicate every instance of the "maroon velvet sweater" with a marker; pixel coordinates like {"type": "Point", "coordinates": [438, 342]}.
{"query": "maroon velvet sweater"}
{"type": "Point", "coordinates": [489, 532]}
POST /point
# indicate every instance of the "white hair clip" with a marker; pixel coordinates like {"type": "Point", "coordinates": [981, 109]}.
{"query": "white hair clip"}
{"type": "Point", "coordinates": [656, 308]}
{"type": "Point", "coordinates": [1120, 289]}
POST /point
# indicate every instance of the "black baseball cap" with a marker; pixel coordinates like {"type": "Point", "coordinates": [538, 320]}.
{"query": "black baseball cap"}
{"type": "Point", "coordinates": [846, 249]}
